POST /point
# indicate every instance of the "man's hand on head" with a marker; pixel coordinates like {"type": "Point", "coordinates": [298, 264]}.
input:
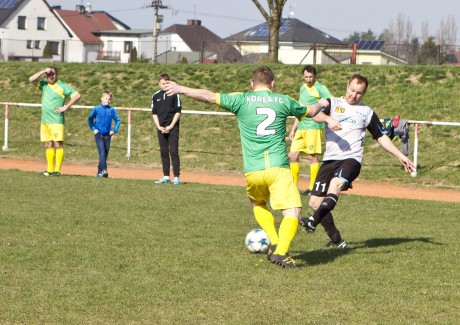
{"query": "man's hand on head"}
{"type": "Point", "coordinates": [172, 88]}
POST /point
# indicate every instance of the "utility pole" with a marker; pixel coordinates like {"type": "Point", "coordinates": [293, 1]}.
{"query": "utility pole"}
{"type": "Point", "coordinates": [157, 20]}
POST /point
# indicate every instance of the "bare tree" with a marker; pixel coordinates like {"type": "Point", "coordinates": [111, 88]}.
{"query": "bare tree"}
{"type": "Point", "coordinates": [425, 31]}
{"type": "Point", "coordinates": [447, 32]}
{"type": "Point", "coordinates": [387, 36]}
{"type": "Point", "coordinates": [273, 19]}
{"type": "Point", "coordinates": [400, 31]}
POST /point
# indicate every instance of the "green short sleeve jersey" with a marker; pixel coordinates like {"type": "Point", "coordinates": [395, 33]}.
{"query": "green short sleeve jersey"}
{"type": "Point", "coordinates": [262, 116]}
{"type": "Point", "coordinates": [54, 96]}
{"type": "Point", "coordinates": [309, 96]}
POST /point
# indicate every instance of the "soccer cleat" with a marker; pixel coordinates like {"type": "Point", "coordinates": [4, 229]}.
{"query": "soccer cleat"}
{"type": "Point", "coordinates": [283, 260]}
{"type": "Point", "coordinates": [270, 252]}
{"type": "Point", "coordinates": [306, 193]}
{"type": "Point", "coordinates": [105, 174]}
{"type": "Point", "coordinates": [56, 174]}
{"type": "Point", "coordinates": [330, 244]}
{"type": "Point", "coordinates": [307, 223]}
{"type": "Point", "coordinates": [45, 173]}
{"type": "Point", "coordinates": [163, 181]}
{"type": "Point", "coordinates": [176, 181]}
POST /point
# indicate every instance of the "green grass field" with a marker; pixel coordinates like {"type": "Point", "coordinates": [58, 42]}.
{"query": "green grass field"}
{"type": "Point", "coordinates": [82, 250]}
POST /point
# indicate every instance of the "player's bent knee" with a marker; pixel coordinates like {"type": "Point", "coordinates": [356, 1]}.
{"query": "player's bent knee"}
{"type": "Point", "coordinates": [314, 204]}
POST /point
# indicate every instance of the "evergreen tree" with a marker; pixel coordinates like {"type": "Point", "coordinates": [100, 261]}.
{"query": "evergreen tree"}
{"type": "Point", "coordinates": [428, 52]}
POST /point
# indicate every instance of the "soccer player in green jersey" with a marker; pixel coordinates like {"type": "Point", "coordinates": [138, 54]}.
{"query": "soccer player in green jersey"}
{"type": "Point", "coordinates": [262, 116]}
{"type": "Point", "coordinates": [307, 135]}
{"type": "Point", "coordinates": [54, 96]}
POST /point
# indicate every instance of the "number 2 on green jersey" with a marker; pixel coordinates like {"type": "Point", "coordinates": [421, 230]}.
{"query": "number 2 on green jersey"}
{"type": "Point", "coordinates": [263, 127]}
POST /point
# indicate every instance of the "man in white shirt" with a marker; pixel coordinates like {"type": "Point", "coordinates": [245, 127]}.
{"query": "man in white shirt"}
{"type": "Point", "coordinates": [344, 154]}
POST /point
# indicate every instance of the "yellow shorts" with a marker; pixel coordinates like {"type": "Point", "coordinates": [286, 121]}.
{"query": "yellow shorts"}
{"type": "Point", "coordinates": [274, 184]}
{"type": "Point", "coordinates": [308, 141]}
{"type": "Point", "coordinates": [51, 132]}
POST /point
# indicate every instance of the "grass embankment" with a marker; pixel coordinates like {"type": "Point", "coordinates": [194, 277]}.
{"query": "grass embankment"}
{"type": "Point", "coordinates": [211, 143]}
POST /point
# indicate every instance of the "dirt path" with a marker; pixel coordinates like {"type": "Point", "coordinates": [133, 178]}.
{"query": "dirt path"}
{"type": "Point", "coordinates": [359, 187]}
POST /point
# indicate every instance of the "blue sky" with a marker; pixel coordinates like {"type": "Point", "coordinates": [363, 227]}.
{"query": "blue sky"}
{"type": "Point", "coordinates": [336, 17]}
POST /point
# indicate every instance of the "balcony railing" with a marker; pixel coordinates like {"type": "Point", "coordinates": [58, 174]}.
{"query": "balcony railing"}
{"type": "Point", "coordinates": [109, 55]}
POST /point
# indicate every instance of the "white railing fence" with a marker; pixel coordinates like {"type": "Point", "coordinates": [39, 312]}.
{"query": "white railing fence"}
{"type": "Point", "coordinates": [131, 109]}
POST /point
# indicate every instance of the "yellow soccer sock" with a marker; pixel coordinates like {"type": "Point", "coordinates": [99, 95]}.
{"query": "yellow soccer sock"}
{"type": "Point", "coordinates": [266, 221]}
{"type": "Point", "coordinates": [50, 153]}
{"type": "Point", "coordinates": [295, 170]}
{"type": "Point", "coordinates": [314, 168]}
{"type": "Point", "coordinates": [288, 229]}
{"type": "Point", "coordinates": [59, 159]}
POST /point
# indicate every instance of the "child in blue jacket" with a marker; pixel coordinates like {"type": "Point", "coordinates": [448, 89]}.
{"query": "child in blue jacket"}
{"type": "Point", "coordinates": [100, 122]}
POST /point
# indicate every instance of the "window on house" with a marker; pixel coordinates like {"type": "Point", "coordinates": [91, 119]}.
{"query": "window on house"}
{"type": "Point", "coordinates": [29, 44]}
{"type": "Point", "coordinates": [128, 47]}
{"type": "Point", "coordinates": [22, 22]}
{"type": "Point", "coordinates": [36, 44]}
{"type": "Point", "coordinates": [54, 47]}
{"type": "Point", "coordinates": [41, 23]}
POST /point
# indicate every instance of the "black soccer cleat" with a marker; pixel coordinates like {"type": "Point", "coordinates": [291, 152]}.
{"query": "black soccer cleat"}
{"type": "Point", "coordinates": [306, 193]}
{"type": "Point", "coordinates": [283, 260]}
{"type": "Point", "coordinates": [342, 244]}
{"type": "Point", "coordinates": [307, 223]}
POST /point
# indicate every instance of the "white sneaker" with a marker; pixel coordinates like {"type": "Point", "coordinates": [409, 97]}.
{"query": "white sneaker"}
{"type": "Point", "coordinates": [176, 181]}
{"type": "Point", "coordinates": [164, 180]}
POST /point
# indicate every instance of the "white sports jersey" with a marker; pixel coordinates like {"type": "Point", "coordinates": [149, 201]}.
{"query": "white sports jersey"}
{"type": "Point", "coordinates": [348, 142]}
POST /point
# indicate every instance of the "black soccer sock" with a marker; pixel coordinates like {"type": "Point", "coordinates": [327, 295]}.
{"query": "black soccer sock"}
{"type": "Point", "coordinates": [330, 228]}
{"type": "Point", "coordinates": [325, 207]}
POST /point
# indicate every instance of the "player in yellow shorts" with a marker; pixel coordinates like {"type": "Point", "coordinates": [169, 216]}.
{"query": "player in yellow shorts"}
{"type": "Point", "coordinates": [273, 185]}
{"type": "Point", "coordinates": [54, 95]}
{"type": "Point", "coordinates": [307, 135]}
{"type": "Point", "coordinates": [262, 116]}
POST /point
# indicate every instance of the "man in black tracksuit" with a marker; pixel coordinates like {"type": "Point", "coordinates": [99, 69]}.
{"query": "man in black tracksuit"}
{"type": "Point", "coordinates": [166, 112]}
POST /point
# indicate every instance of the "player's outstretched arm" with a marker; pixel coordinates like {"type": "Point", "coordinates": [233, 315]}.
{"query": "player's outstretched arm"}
{"type": "Point", "coordinates": [314, 109]}
{"type": "Point", "coordinates": [388, 145]}
{"type": "Point", "coordinates": [203, 95]}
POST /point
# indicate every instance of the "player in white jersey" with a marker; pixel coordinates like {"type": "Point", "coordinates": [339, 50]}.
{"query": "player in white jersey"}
{"type": "Point", "coordinates": [344, 154]}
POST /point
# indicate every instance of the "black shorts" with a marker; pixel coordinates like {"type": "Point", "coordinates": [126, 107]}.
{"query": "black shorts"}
{"type": "Point", "coordinates": [347, 170]}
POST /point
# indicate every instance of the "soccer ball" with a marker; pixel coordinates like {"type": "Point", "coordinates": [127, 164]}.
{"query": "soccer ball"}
{"type": "Point", "coordinates": [257, 241]}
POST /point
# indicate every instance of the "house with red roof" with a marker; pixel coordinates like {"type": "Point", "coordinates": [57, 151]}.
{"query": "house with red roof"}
{"type": "Point", "coordinates": [31, 30]}
{"type": "Point", "coordinates": [85, 45]}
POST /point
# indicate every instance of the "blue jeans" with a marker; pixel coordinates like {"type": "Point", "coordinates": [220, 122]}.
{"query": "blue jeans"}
{"type": "Point", "coordinates": [103, 147]}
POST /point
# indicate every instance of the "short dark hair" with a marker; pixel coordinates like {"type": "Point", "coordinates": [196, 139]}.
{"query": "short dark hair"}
{"type": "Point", "coordinates": [164, 76]}
{"type": "Point", "coordinates": [360, 79]}
{"type": "Point", "coordinates": [263, 75]}
{"type": "Point", "coordinates": [309, 68]}
{"type": "Point", "coordinates": [106, 92]}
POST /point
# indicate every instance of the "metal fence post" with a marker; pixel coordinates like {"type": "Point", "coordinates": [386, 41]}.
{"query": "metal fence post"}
{"type": "Point", "coordinates": [5, 145]}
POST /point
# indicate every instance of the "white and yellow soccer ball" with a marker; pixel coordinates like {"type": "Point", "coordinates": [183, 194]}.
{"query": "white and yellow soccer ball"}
{"type": "Point", "coordinates": [257, 241]}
